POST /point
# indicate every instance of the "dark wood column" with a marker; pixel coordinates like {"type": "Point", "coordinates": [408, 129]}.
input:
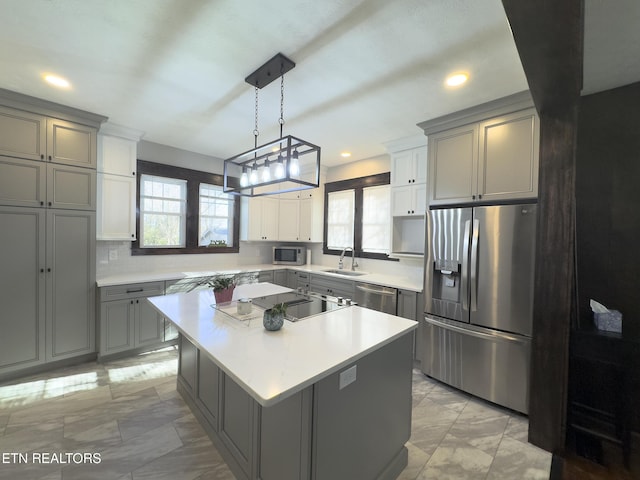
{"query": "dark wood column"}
{"type": "Point", "coordinates": [548, 36]}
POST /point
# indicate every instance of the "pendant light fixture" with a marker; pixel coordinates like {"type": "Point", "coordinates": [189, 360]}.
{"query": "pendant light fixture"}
{"type": "Point", "coordinates": [256, 172]}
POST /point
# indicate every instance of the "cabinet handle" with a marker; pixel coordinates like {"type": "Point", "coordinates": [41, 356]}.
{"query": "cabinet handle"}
{"type": "Point", "coordinates": [473, 197]}
{"type": "Point", "coordinates": [42, 270]}
{"type": "Point", "coordinates": [49, 203]}
{"type": "Point", "coordinates": [135, 290]}
{"type": "Point", "coordinates": [42, 156]}
{"type": "Point", "coordinates": [49, 270]}
{"type": "Point", "coordinates": [41, 203]}
{"type": "Point", "coordinates": [137, 301]}
{"type": "Point", "coordinates": [49, 157]}
{"type": "Point", "coordinates": [133, 173]}
{"type": "Point", "coordinates": [479, 196]}
{"type": "Point", "coordinates": [131, 302]}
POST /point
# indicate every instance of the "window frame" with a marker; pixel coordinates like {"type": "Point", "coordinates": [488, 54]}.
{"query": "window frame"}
{"type": "Point", "coordinates": [356, 184]}
{"type": "Point", "coordinates": [194, 178]}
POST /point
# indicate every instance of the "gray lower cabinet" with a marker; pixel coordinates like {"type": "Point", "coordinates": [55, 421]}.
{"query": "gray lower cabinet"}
{"type": "Point", "coordinates": [280, 277]}
{"type": "Point", "coordinates": [335, 287]}
{"type": "Point", "coordinates": [411, 305]}
{"type": "Point", "coordinates": [127, 321]}
{"type": "Point", "coordinates": [265, 276]}
{"type": "Point", "coordinates": [327, 431]}
{"type": "Point", "coordinates": [47, 294]}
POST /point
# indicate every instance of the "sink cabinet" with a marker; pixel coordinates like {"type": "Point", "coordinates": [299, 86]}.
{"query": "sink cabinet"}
{"type": "Point", "coordinates": [329, 285]}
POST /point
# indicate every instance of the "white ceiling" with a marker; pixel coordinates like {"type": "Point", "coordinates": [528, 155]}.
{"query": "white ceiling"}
{"type": "Point", "coordinates": [367, 70]}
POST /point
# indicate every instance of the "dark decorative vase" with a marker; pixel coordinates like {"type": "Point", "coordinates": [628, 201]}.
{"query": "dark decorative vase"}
{"type": "Point", "coordinates": [272, 321]}
{"type": "Point", "coordinates": [223, 296]}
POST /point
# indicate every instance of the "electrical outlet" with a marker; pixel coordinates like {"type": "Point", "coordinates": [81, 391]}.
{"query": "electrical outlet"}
{"type": "Point", "coordinates": [347, 377]}
{"type": "Point", "coordinates": [113, 254]}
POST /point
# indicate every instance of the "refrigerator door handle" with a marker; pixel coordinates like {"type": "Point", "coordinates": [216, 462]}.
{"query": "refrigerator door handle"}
{"type": "Point", "coordinates": [493, 335]}
{"type": "Point", "coordinates": [474, 264]}
{"type": "Point", "coordinates": [464, 287]}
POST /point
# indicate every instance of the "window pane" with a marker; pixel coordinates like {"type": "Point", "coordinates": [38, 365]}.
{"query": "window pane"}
{"type": "Point", "coordinates": [340, 217]}
{"type": "Point", "coordinates": [163, 206]}
{"type": "Point", "coordinates": [376, 214]}
{"type": "Point", "coordinates": [216, 216]}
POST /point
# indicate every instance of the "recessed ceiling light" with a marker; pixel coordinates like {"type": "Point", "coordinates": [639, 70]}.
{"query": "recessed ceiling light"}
{"type": "Point", "coordinates": [456, 79]}
{"type": "Point", "coordinates": [56, 81]}
{"type": "Point", "coordinates": [345, 154]}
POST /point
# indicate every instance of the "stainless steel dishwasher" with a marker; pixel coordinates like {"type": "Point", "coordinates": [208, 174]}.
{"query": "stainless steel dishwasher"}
{"type": "Point", "coordinates": [376, 297]}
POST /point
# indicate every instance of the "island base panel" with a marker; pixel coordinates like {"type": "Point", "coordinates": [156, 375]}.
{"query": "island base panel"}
{"type": "Point", "coordinates": [323, 432]}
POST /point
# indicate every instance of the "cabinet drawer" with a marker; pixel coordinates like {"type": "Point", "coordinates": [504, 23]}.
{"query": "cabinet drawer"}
{"type": "Point", "coordinates": [331, 286]}
{"type": "Point", "coordinates": [131, 290]}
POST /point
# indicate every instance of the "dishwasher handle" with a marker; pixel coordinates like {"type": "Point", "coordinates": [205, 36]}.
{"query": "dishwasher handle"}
{"type": "Point", "coordinates": [382, 291]}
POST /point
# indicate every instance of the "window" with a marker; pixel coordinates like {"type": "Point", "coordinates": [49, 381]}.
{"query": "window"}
{"type": "Point", "coordinates": [358, 215]}
{"type": "Point", "coordinates": [184, 211]}
{"type": "Point", "coordinates": [216, 216]}
{"type": "Point", "coordinates": [163, 211]}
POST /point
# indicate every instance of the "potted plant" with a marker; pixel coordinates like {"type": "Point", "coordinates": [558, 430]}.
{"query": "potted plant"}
{"type": "Point", "coordinates": [223, 286]}
{"type": "Point", "coordinates": [273, 318]}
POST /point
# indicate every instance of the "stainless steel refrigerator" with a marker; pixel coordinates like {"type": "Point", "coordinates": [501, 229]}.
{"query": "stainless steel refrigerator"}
{"type": "Point", "coordinates": [479, 270]}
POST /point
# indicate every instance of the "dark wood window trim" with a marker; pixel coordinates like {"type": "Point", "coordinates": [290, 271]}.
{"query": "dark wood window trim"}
{"type": "Point", "coordinates": [194, 178]}
{"type": "Point", "coordinates": [356, 184]}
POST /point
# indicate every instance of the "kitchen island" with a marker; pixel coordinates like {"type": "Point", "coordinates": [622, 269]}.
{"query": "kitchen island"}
{"type": "Point", "coordinates": [327, 397]}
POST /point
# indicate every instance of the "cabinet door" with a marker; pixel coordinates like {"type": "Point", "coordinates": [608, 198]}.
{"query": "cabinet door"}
{"type": "Point", "coordinates": [306, 219]}
{"type": "Point", "coordinates": [116, 209]}
{"type": "Point", "coordinates": [116, 326]}
{"type": "Point", "coordinates": [22, 134]}
{"type": "Point", "coordinates": [419, 200]}
{"type": "Point", "coordinates": [71, 187]}
{"type": "Point", "coordinates": [22, 296]}
{"type": "Point", "coordinates": [289, 219]}
{"type": "Point", "coordinates": [71, 143]}
{"type": "Point", "coordinates": [453, 165]}
{"type": "Point", "coordinates": [508, 157]}
{"type": "Point", "coordinates": [22, 182]}
{"type": "Point", "coordinates": [407, 304]}
{"type": "Point", "coordinates": [402, 168]}
{"type": "Point", "coordinates": [420, 164]}
{"type": "Point", "coordinates": [280, 277]}
{"type": "Point", "coordinates": [270, 215]}
{"type": "Point", "coordinates": [208, 391]}
{"type": "Point", "coordinates": [71, 258]}
{"type": "Point", "coordinates": [117, 156]}
{"type": "Point", "coordinates": [149, 323]}
{"type": "Point", "coordinates": [292, 279]}
{"type": "Point", "coordinates": [236, 423]}
{"type": "Point", "coordinates": [401, 201]}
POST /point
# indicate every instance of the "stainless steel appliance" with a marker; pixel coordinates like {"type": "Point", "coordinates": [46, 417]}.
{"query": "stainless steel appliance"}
{"type": "Point", "coordinates": [288, 255]}
{"type": "Point", "coordinates": [301, 305]}
{"type": "Point", "coordinates": [479, 270]}
{"type": "Point", "coordinates": [376, 297]}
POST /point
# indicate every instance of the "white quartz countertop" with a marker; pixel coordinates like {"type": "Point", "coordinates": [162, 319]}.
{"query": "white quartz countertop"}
{"type": "Point", "coordinates": [271, 366]}
{"type": "Point", "coordinates": [395, 281]}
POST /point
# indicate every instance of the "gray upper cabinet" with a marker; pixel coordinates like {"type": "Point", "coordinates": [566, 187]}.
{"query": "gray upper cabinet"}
{"type": "Point", "coordinates": [71, 143]}
{"type": "Point", "coordinates": [36, 137]}
{"type": "Point", "coordinates": [453, 163]}
{"type": "Point", "coordinates": [22, 134]}
{"type": "Point", "coordinates": [31, 183]}
{"type": "Point", "coordinates": [486, 153]}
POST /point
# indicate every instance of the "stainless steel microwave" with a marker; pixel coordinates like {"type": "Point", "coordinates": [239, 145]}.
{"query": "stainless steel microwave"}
{"type": "Point", "coordinates": [289, 255]}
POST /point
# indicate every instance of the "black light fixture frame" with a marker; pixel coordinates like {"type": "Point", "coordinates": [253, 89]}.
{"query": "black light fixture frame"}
{"type": "Point", "coordinates": [283, 149]}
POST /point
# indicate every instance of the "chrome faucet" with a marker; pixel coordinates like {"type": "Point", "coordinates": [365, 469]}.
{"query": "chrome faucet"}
{"type": "Point", "coordinates": [354, 264]}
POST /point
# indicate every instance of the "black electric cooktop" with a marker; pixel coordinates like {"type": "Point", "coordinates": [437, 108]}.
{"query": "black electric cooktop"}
{"type": "Point", "coordinates": [300, 305]}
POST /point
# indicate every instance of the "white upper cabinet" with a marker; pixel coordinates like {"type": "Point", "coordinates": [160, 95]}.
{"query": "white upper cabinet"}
{"type": "Point", "coordinates": [493, 158]}
{"type": "Point", "coordinates": [116, 186]}
{"type": "Point", "coordinates": [409, 167]}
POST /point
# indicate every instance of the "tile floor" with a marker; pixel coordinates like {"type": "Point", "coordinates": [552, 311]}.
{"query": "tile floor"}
{"type": "Point", "coordinates": [129, 412]}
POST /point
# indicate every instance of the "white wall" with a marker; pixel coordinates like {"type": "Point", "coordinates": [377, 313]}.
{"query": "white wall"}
{"type": "Point", "coordinates": [360, 168]}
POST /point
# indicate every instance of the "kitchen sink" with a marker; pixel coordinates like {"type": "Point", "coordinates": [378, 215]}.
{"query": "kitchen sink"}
{"type": "Point", "coordinates": [348, 273]}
